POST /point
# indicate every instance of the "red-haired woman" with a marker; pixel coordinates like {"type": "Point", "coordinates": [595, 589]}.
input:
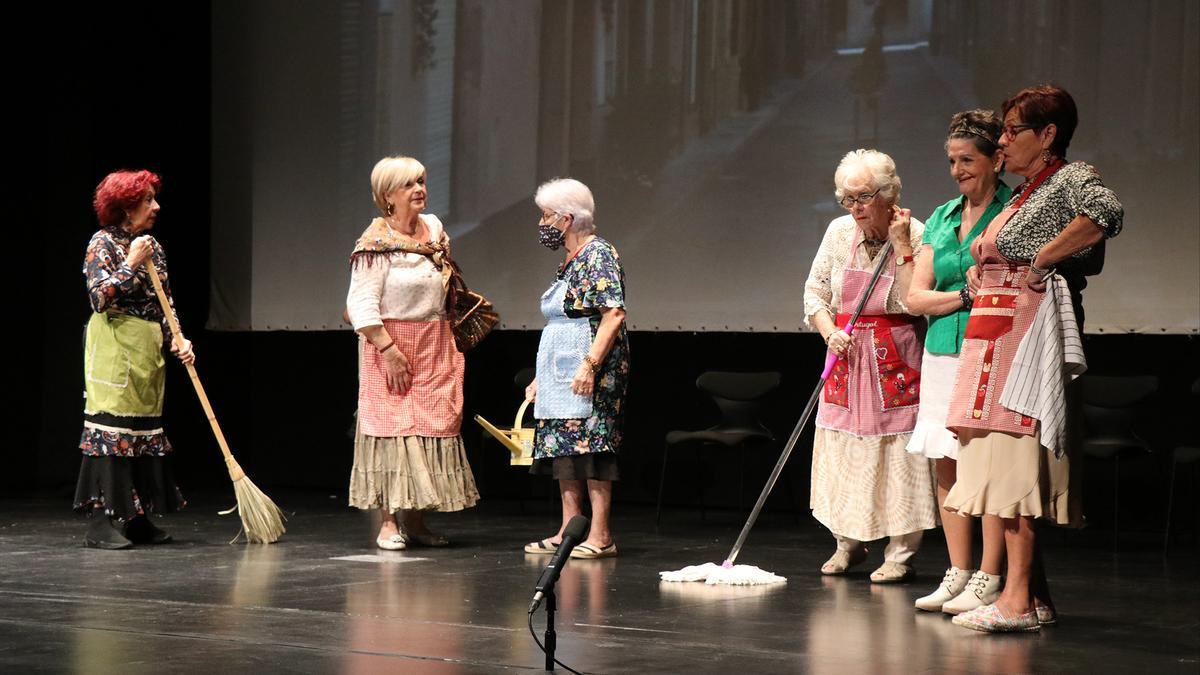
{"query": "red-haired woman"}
{"type": "Point", "coordinates": [1021, 344]}
{"type": "Point", "coordinates": [125, 475]}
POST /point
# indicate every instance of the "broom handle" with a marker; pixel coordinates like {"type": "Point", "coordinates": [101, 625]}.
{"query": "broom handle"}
{"type": "Point", "coordinates": [177, 338]}
{"type": "Point", "coordinates": [808, 410]}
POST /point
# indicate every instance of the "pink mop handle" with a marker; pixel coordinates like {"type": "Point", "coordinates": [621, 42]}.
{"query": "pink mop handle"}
{"type": "Point", "coordinates": [832, 358]}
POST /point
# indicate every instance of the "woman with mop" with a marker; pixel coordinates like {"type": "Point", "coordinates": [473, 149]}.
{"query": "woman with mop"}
{"type": "Point", "coordinates": [865, 485]}
{"type": "Point", "coordinates": [126, 471]}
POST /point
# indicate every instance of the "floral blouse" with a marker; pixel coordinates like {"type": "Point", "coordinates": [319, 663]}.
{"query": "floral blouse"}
{"type": "Point", "coordinates": [114, 287]}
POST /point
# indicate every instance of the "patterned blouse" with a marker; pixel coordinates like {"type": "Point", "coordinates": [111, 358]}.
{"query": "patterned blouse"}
{"type": "Point", "coordinates": [823, 290]}
{"type": "Point", "coordinates": [115, 288]}
{"type": "Point", "coordinates": [1073, 190]}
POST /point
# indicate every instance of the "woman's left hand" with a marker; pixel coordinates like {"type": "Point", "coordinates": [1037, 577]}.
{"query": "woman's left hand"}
{"type": "Point", "coordinates": [183, 349]}
{"type": "Point", "coordinates": [584, 381]}
{"type": "Point", "coordinates": [898, 229]}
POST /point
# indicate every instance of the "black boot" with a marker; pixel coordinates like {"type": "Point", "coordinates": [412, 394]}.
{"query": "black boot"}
{"type": "Point", "coordinates": [141, 531]}
{"type": "Point", "coordinates": [103, 533]}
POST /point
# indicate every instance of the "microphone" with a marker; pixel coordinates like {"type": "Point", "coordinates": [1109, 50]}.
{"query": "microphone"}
{"type": "Point", "coordinates": [574, 533]}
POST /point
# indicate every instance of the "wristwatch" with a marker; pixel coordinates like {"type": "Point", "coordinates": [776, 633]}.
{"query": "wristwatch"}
{"type": "Point", "coordinates": [903, 260]}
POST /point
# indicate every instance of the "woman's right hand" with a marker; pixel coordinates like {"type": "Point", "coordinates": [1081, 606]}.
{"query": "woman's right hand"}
{"type": "Point", "coordinates": [973, 279]}
{"type": "Point", "coordinates": [399, 376]}
{"type": "Point", "coordinates": [531, 390]}
{"type": "Point", "coordinates": [838, 342]}
{"type": "Point", "coordinates": [139, 251]}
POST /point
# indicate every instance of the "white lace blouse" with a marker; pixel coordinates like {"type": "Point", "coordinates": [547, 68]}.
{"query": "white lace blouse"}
{"type": "Point", "coordinates": [823, 290]}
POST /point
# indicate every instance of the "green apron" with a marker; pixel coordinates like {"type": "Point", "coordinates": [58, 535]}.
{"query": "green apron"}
{"type": "Point", "coordinates": [123, 366]}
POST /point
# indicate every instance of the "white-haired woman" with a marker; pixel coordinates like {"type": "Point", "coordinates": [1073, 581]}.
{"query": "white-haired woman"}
{"type": "Point", "coordinates": [408, 454]}
{"type": "Point", "coordinates": [865, 486]}
{"type": "Point", "coordinates": [582, 366]}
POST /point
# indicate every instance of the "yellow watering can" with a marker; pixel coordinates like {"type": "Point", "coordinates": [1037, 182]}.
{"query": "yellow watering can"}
{"type": "Point", "coordinates": [518, 439]}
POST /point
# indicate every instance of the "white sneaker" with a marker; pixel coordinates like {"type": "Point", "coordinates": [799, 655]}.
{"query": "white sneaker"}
{"type": "Point", "coordinates": [982, 589]}
{"type": "Point", "coordinates": [952, 584]}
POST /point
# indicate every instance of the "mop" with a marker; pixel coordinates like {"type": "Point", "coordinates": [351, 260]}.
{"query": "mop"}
{"type": "Point", "coordinates": [749, 575]}
{"type": "Point", "coordinates": [262, 520]}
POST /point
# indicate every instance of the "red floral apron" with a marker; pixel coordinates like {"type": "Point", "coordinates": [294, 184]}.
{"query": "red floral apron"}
{"type": "Point", "coordinates": [874, 389]}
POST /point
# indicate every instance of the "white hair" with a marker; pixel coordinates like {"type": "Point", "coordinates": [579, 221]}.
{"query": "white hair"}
{"type": "Point", "coordinates": [390, 173]}
{"type": "Point", "coordinates": [875, 166]}
{"type": "Point", "coordinates": [567, 196]}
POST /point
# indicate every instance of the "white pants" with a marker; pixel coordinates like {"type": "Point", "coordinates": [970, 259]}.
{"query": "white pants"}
{"type": "Point", "coordinates": [900, 548]}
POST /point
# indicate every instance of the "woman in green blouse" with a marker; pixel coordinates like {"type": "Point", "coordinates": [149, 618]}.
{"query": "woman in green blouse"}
{"type": "Point", "coordinates": [939, 291]}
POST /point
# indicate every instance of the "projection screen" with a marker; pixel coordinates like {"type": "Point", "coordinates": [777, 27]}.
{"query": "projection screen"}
{"type": "Point", "coordinates": [708, 130]}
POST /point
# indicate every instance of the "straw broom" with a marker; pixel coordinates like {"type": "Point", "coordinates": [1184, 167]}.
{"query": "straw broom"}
{"type": "Point", "coordinates": [262, 520]}
{"type": "Point", "coordinates": [749, 575]}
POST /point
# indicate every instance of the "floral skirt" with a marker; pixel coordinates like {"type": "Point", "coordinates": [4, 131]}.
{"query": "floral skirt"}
{"type": "Point", "coordinates": [127, 487]}
{"type": "Point", "coordinates": [411, 473]}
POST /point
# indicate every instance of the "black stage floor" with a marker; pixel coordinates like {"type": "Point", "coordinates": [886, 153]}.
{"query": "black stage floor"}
{"type": "Point", "coordinates": [324, 600]}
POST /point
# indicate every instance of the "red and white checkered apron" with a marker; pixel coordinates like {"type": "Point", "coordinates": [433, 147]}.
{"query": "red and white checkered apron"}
{"type": "Point", "coordinates": [1003, 312]}
{"type": "Point", "coordinates": [432, 406]}
{"type": "Point", "coordinates": [874, 389]}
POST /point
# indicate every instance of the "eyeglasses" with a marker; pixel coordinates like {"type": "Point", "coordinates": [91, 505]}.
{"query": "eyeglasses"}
{"type": "Point", "coordinates": [1011, 131]}
{"type": "Point", "coordinates": [848, 202]}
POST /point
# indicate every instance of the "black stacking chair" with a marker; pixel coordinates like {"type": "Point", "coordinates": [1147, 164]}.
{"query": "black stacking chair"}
{"type": "Point", "coordinates": [1189, 455]}
{"type": "Point", "coordinates": [1111, 406]}
{"type": "Point", "coordinates": [738, 397]}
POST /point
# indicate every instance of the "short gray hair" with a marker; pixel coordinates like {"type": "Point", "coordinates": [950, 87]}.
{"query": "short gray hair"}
{"type": "Point", "coordinates": [567, 196]}
{"type": "Point", "coordinates": [877, 166]}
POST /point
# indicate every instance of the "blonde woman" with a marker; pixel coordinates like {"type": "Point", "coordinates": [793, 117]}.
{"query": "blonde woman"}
{"type": "Point", "coordinates": [408, 453]}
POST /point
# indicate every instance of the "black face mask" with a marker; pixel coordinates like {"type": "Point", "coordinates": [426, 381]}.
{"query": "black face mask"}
{"type": "Point", "coordinates": [551, 237]}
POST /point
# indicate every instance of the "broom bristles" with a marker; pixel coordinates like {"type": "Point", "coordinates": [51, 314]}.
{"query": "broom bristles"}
{"type": "Point", "coordinates": [262, 520]}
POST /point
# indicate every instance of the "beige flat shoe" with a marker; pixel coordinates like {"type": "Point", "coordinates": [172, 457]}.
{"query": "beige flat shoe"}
{"type": "Point", "coordinates": [393, 543]}
{"type": "Point", "coordinates": [893, 573]}
{"type": "Point", "coordinates": [841, 561]}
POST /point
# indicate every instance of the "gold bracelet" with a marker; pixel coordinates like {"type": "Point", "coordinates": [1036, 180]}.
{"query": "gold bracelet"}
{"type": "Point", "coordinates": [587, 358]}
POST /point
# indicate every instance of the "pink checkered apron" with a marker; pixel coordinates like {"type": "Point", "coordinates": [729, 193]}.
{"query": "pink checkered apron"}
{"type": "Point", "coordinates": [432, 406]}
{"type": "Point", "coordinates": [874, 389]}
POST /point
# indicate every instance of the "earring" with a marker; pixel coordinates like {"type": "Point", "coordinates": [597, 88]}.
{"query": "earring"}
{"type": "Point", "coordinates": [1046, 156]}
{"type": "Point", "coordinates": [391, 208]}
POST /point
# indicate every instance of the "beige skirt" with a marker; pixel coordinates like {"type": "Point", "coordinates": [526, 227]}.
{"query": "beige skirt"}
{"type": "Point", "coordinates": [411, 473]}
{"type": "Point", "coordinates": [870, 487]}
{"type": "Point", "coordinates": [1004, 475]}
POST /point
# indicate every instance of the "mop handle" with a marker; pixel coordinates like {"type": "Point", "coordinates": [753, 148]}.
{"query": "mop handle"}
{"type": "Point", "coordinates": [808, 409]}
{"type": "Point", "coordinates": [177, 337]}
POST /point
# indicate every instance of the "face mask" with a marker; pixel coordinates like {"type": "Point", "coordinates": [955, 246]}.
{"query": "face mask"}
{"type": "Point", "coordinates": [550, 236]}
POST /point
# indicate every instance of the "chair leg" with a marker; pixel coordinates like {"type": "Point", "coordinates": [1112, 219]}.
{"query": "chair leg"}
{"type": "Point", "coordinates": [1170, 503]}
{"type": "Point", "coordinates": [1116, 501]}
{"type": "Point", "coordinates": [662, 482]}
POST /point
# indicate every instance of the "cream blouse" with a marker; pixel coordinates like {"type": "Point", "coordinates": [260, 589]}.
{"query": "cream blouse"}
{"type": "Point", "coordinates": [408, 288]}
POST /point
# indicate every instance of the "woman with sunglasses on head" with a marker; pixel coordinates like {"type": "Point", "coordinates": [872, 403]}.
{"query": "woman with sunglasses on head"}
{"type": "Point", "coordinates": [865, 485]}
{"type": "Point", "coordinates": [939, 291]}
{"type": "Point", "coordinates": [1009, 408]}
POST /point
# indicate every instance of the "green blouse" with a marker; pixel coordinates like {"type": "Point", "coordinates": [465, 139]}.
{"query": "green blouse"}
{"type": "Point", "coordinates": [951, 259]}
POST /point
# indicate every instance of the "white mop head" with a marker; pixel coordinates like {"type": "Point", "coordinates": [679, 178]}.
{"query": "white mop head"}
{"type": "Point", "coordinates": [733, 575]}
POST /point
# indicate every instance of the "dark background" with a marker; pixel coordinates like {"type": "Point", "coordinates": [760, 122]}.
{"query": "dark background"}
{"type": "Point", "coordinates": [128, 86]}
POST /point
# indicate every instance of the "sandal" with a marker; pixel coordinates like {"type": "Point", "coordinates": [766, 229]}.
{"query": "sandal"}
{"type": "Point", "coordinates": [589, 552]}
{"type": "Point", "coordinates": [543, 547]}
{"type": "Point", "coordinates": [893, 573]}
{"type": "Point", "coordinates": [841, 561]}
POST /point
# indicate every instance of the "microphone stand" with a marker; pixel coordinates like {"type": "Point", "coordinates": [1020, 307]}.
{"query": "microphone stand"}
{"type": "Point", "coordinates": [551, 636]}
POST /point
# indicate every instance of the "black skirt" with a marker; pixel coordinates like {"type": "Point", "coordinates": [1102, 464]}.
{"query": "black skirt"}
{"type": "Point", "coordinates": [127, 487]}
{"type": "Point", "coordinates": [588, 466]}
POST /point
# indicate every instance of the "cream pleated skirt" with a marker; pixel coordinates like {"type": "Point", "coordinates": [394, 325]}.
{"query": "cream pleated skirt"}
{"type": "Point", "coordinates": [1009, 476]}
{"type": "Point", "coordinates": [411, 473]}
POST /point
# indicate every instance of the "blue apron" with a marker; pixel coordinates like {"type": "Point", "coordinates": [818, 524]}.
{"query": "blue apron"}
{"type": "Point", "coordinates": [564, 343]}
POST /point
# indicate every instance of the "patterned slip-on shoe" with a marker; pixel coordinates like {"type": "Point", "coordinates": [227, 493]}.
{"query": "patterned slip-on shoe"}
{"type": "Point", "coordinates": [542, 547]}
{"type": "Point", "coordinates": [1046, 615]}
{"type": "Point", "coordinates": [989, 619]}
